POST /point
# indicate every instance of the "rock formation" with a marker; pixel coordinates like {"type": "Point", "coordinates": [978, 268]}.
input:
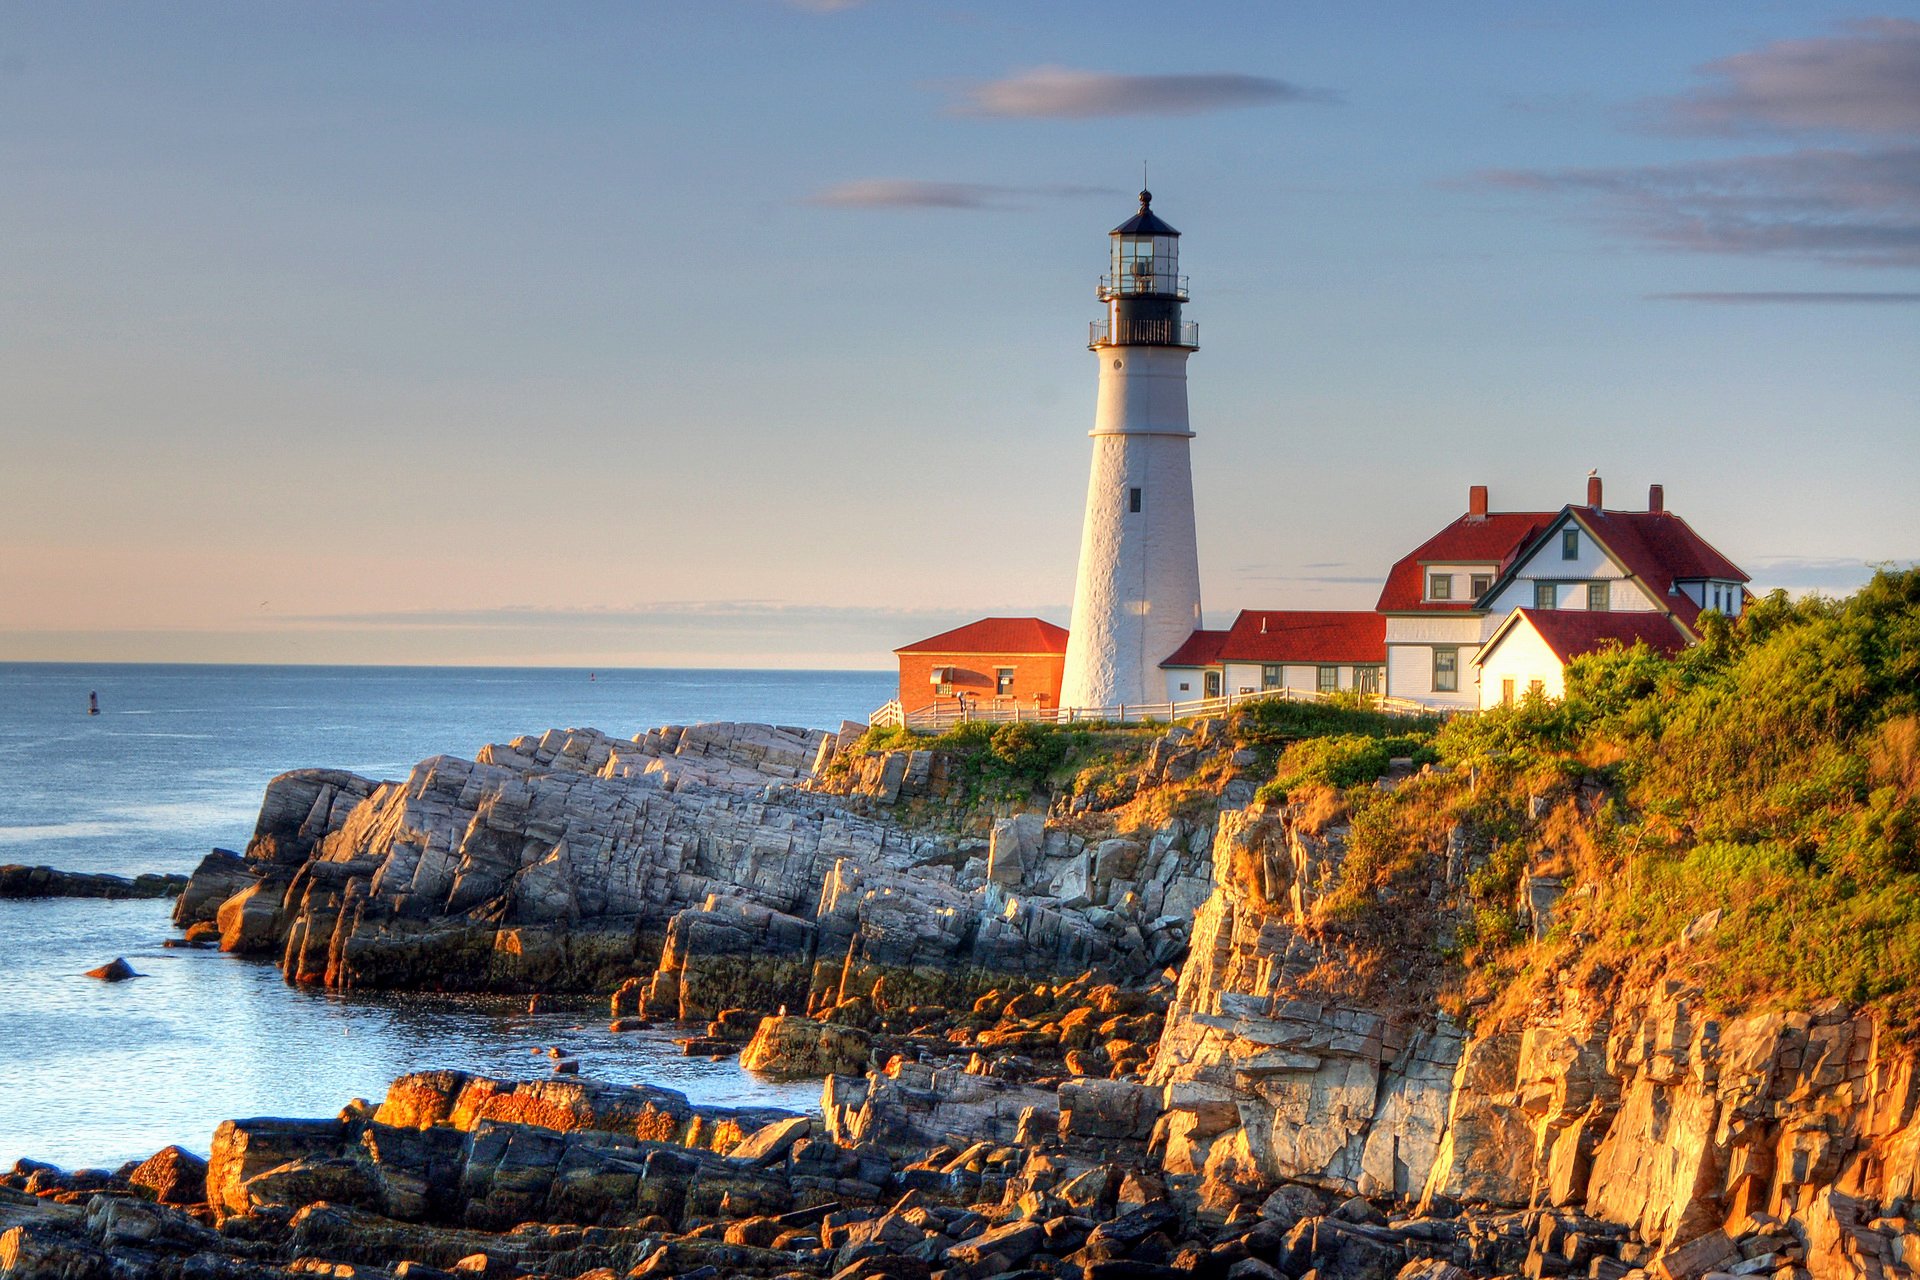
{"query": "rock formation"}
{"type": "Point", "coordinates": [688, 856]}
{"type": "Point", "coordinates": [45, 882]}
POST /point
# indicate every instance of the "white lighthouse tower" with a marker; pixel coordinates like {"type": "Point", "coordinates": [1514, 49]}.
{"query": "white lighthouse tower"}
{"type": "Point", "coordinates": [1138, 594]}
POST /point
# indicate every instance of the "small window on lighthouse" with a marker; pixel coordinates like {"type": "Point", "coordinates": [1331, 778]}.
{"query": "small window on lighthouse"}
{"type": "Point", "coordinates": [1133, 499]}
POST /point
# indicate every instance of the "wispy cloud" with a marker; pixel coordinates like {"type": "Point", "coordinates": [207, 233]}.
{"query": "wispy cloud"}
{"type": "Point", "coordinates": [1067, 93]}
{"type": "Point", "coordinates": [1854, 203]}
{"type": "Point", "coordinates": [914, 193]}
{"type": "Point", "coordinates": [1863, 80]}
{"type": "Point", "coordinates": [1860, 208]}
{"type": "Point", "coordinates": [1803, 297]}
{"type": "Point", "coordinates": [1816, 573]}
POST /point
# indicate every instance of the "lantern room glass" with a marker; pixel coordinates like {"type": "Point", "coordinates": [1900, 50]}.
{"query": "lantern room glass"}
{"type": "Point", "coordinates": [1146, 264]}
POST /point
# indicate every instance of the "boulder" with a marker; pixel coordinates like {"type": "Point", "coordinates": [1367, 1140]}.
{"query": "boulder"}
{"type": "Point", "coordinates": [1015, 848]}
{"type": "Point", "coordinates": [173, 1176]}
{"type": "Point", "coordinates": [797, 1047]}
{"type": "Point", "coordinates": [770, 1143]}
{"type": "Point", "coordinates": [114, 971]}
{"type": "Point", "coordinates": [220, 875]}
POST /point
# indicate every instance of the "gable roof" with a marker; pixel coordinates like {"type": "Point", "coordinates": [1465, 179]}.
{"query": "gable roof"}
{"type": "Point", "coordinates": [1301, 635]}
{"type": "Point", "coordinates": [1201, 649]}
{"type": "Point", "coordinates": [1572, 632]}
{"type": "Point", "coordinates": [995, 635]}
{"type": "Point", "coordinates": [1495, 539]}
{"type": "Point", "coordinates": [1657, 548]}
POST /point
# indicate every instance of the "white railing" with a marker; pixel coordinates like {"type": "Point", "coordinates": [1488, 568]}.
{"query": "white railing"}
{"type": "Point", "coordinates": [944, 715]}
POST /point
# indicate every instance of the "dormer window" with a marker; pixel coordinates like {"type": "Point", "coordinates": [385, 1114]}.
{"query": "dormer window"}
{"type": "Point", "coordinates": [1479, 584]}
{"type": "Point", "coordinates": [1439, 586]}
{"type": "Point", "coordinates": [1569, 544]}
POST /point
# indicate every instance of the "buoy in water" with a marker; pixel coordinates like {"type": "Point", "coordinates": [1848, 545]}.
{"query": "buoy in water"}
{"type": "Point", "coordinates": [93, 704]}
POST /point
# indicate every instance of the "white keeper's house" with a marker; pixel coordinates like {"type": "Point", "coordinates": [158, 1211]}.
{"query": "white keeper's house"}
{"type": "Point", "coordinates": [1477, 614]}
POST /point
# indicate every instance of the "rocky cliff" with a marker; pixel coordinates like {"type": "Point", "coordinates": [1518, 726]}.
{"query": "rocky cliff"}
{"type": "Point", "coordinates": [692, 858]}
{"type": "Point", "coordinates": [1618, 1100]}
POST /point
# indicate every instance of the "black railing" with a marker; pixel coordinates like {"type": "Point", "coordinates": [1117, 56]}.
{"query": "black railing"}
{"type": "Point", "coordinates": [1144, 333]}
{"type": "Point", "coordinates": [1132, 286]}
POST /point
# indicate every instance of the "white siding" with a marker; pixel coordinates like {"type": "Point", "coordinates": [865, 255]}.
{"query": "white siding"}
{"type": "Point", "coordinates": [1592, 564]}
{"type": "Point", "coordinates": [1522, 657]}
{"type": "Point", "coordinates": [1410, 675]}
{"type": "Point", "coordinates": [1410, 645]}
{"type": "Point", "coordinates": [1195, 678]}
{"type": "Point", "coordinates": [1462, 574]}
{"type": "Point", "coordinates": [1301, 677]}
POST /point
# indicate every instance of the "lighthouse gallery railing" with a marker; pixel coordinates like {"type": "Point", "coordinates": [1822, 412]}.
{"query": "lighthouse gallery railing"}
{"type": "Point", "coordinates": [1144, 333]}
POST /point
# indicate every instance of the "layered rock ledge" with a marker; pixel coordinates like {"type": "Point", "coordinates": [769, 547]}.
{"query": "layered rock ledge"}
{"type": "Point", "coordinates": [690, 858]}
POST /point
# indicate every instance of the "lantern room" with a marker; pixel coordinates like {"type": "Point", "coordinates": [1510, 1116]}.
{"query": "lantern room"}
{"type": "Point", "coordinates": [1143, 287]}
{"type": "Point", "coordinates": [1146, 257]}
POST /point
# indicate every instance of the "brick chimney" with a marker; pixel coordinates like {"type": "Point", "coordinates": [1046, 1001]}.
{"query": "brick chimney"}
{"type": "Point", "coordinates": [1477, 500]}
{"type": "Point", "coordinates": [1593, 492]}
{"type": "Point", "coordinates": [1656, 498]}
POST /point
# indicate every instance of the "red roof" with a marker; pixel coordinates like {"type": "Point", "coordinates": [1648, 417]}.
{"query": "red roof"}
{"type": "Point", "coordinates": [1201, 649]}
{"type": "Point", "coordinates": [1493, 539]}
{"type": "Point", "coordinates": [1660, 548]}
{"type": "Point", "coordinates": [995, 635]}
{"type": "Point", "coordinates": [1296, 635]}
{"type": "Point", "coordinates": [1572, 632]}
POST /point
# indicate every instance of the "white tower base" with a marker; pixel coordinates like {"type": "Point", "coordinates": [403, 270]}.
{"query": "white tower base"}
{"type": "Point", "coordinates": [1137, 598]}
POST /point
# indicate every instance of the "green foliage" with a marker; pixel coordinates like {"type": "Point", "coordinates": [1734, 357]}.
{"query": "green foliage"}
{"type": "Point", "coordinates": [1521, 733]}
{"type": "Point", "coordinates": [1274, 722]}
{"type": "Point", "coordinates": [1771, 772]}
{"type": "Point", "coordinates": [1008, 760]}
{"type": "Point", "coordinates": [1341, 761]}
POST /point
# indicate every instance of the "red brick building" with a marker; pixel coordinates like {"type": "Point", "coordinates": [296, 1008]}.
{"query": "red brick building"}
{"type": "Point", "coordinates": [995, 662]}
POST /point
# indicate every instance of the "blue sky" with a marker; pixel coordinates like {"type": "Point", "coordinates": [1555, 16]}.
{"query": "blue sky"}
{"type": "Point", "coordinates": [753, 332]}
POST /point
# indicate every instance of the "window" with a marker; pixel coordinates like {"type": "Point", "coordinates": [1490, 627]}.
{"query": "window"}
{"type": "Point", "coordinates": [1506, 691]}
{"type": "Point", "coordinates": [1184, 686]}
{"type": "Point", "coordinates": [1569, 544]}
{"type": "Point", "coordinates": [1599, 600]}
{"type": "Point", "coordinates": [1270, 676]}
{"type": "Point", "coordinates": [1536, 689]}
{"type": "Point", "coordinates": [1446, 670]}
{"type": "Point", "coordinates": [1546, 595]}
{"type": "Point", "coordinates": [1439, 586]}
{"type": "Point", "coordinates": [1002, 681]}
{"type": "Point", "coordinates": [1133, 499]}
{"type": "Point", "coordinates": [1479, 584]}
{"type": "Point", "coordinates": [943, 690]}
{"type": "Point", "coordinates": [1329, 680]}
{"type": "Point", "coordinates": [1366, 679]}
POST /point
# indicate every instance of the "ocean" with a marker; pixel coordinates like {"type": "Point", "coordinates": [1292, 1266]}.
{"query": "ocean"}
{"type": "Point", "coordinates": [95, 1073]}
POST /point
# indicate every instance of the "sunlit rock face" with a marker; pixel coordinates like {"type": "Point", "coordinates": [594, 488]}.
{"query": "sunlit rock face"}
{"type": "Point", "coordinates": [1619, 1105]}
{"type": "Point", "coordinates": [692, 857]}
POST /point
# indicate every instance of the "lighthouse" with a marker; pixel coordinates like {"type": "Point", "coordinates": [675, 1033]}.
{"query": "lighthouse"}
{"type": "Point", "coordinates": [1137, 597]}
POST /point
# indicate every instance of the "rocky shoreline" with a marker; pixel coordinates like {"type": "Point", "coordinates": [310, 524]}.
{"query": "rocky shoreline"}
{"type": "Point", "coordinates": [1055, 1039]}
{"type": "Point", "coordinates": [45, 882]}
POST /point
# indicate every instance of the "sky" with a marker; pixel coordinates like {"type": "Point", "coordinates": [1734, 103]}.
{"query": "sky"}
{"type": "Point", "coordinates": [752, 333]}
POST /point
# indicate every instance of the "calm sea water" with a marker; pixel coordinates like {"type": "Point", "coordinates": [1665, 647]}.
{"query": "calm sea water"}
{"type": "Point", "coordinates": [94, 1073]}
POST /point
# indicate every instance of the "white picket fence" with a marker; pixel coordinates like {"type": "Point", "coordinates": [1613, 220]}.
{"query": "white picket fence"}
{"type": "Point", "coordinates": [944, 715]}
